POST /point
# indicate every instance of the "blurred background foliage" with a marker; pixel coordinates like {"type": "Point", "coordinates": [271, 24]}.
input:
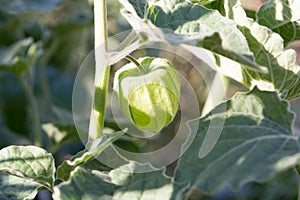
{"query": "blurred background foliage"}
{"type": "Point", "coordinates": [42, 44]}
{"type": "Point", "coordinates": [63, 31]}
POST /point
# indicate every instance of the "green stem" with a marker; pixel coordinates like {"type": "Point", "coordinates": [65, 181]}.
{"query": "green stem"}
{"type": "Point", "coordinates": [34, 112]}
{"type": "Point", "coordinates": [41, 70]}
{"type": "Point", "coordinates": [100, 24]}
{"type": "Point", "coordinates": [44, 83]}
{"type": "Point", "coordinates": [102, 73]}
{"type": "Point", "coordinates": [138, 65]}
{"type": "Point", "coordinates": [98, 110]}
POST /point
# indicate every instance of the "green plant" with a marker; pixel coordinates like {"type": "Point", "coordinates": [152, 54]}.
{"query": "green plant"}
{"type": "Point", "coordinates": [248, 138]}
{"type": "Point", "coordinates": [148, 94]}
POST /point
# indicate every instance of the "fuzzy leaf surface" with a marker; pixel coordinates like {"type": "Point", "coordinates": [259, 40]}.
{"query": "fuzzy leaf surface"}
{"type": "Point", "coordinates": [283, 17]}
{"type": "Point", "coordinates": [256, 144]}
{"type": "Point", "coordinates": [28, 162]}
{"type": "Point", "coordinates": [182, 22]}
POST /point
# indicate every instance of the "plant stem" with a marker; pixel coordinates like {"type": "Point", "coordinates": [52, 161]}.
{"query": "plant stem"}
{"type": "Point", "coordinates": [138, 65]}
{"type": "Point", "coordinates": [101, 45]}
{"type": "Point", "coordinates": [100, 24]}
{"type": "Point", "coordinates": [102, 71]}
{"type": "Point", "coordinates": [44, 83]}
{"type": "Point", "coordinates": [34, 112]}
{"type": "Point", "coordinates": [99, 105]}
{"type": "Point", "coordinates": [41, 67]}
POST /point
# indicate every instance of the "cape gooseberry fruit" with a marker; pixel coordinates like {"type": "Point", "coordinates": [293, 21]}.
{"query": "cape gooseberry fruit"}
{"type": "Point", "coordinates": [148, 99]}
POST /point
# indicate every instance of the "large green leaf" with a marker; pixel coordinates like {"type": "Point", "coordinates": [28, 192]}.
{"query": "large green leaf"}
{"type": "Point", "coordinates": [283, 71]}
{"type": "Point", "coordinates": [140, 186]}
{"type": "Point", "coordinates": [283, 17]}
{"type": "Point", "coordinates": [28, 162]}
{"type": "Point", "coordinates": [256, 143]}
{"type": "Point", "coordinates": [15, 188]}
{"type": "Point", "coordinates": [118, 184]}
{"type": "Point", "coordinates": [66, 168]}
{"type": "Point", "coordinates": [268, 50]}
{"type": "Point", "coordinates": [84, 184]}
{"type": "Point", "coordinates": [183, 22]}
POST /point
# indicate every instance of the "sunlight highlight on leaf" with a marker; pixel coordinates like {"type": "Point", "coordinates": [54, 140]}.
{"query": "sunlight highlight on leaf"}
{"type": "Point", "coordinates": [28, 162]}
{"type": "Point", "coordinates": [256, 144]}
{"type": "Point", "coordinates": [181, 22]}
{"type": "Point", "coordinates": [283, 17]}
{"type": "Point", "coordinates": [268, 50]}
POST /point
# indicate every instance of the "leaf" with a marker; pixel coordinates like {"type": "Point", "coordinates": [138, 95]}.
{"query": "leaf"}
{"type": "Point", "coordinates": [135, 6]}
{"type": "Point", "coordinates": [294, 92]}
{"type": "Point", "coordinates": [118, 184]}
{"type": "Point", "coordinates": [17, 48]}
{"type": "Point", "coordinates": [212, 4]}
{"type": "Point", "coordinates": [20, 56]}
{"type": "Point", "coordinates": [29, 5]}
{"type": "Point", "coordinates": [268, 48]}
{"type": "Point", "coordinates": [181, 22]}
{"type": "Point", "coordinates": [18, 67]}
{"type": "Point", "coordinates": [15, 188]}
{"type": "Point", "coordinates": [256, 144]}
{"type": "Point", "coordinates": [28, 162]}
{"type": "Point", "coordinates": [140, 186]}
{"type": "Point", "coordinates": [283, 17]}
{"type": "Point", "coordinates": [65, 169]}
{"type": "Point", "coordinates": [83, 184]}
{"type": "Point", "coordinates": [269, 51]}
{"type": "Point", "coordinates": [284, 185]}
{"type": "Point", "coordinates": [203, 2]}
